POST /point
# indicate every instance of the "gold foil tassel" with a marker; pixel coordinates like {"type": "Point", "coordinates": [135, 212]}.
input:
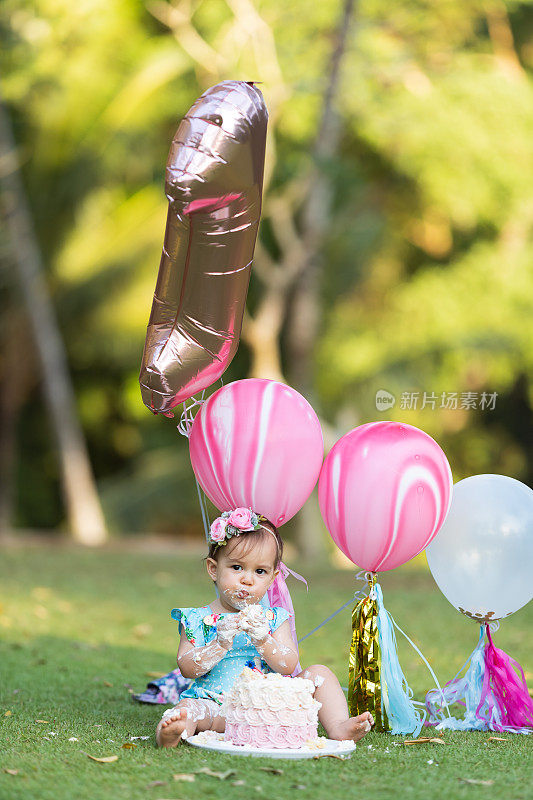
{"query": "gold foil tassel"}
{"type": "Point", "coordinates": [364, 686]}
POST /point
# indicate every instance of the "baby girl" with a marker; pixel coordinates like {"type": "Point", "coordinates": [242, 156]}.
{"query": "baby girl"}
{"type": "Point", "coordinates": [239, 629]}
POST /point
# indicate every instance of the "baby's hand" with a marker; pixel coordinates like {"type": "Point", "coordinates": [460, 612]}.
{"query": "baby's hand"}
{"type": "Point", "coordinates": [255, 624]}
{"type": "Point", "coordinates": [227, 629]}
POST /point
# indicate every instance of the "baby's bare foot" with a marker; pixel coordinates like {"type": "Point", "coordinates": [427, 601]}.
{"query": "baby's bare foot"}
{"type": "Point", "coordinates": [170, 730]}
{"type": "Point", "coordinates": [354, 728]}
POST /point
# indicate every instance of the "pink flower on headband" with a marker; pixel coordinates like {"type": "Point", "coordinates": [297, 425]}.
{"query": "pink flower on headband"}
{"type": "Point", "coordinates": [233, 523]}
{"type": "Point", "coordinates": [217, 531]}
{"type": "Point", "coordinates": [241, 518]}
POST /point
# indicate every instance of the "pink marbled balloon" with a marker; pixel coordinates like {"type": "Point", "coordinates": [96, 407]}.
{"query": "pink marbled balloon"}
{"type": "Point", "coordinates": [258, 444]}
{"type": "Point", "coordinates": [384, 492]}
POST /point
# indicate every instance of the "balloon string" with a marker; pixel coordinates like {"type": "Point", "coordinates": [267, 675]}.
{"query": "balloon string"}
{"type": "Point", "coordinates": [328, 619]}
{"type": "Point", "coordinates": [184, 427]}
{"type": "Point", "coordinates": [187, 418]}
{"type": "Point", "coordinates": [426, 662]}
{"type": "Point", "coordinates": [361, 576]}
{"type": "Point", "coordinates": [371, 578]}
{"type": "Point", "coordinates": [481, 636]}
{"type": "Point", "coordinates": [203, 508]}
{"type": "Point", "coordinates": [202, 499]}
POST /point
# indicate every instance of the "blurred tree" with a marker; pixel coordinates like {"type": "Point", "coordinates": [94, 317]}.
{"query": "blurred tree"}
{"type": "Point", "coordinates": [70, 119]}
{"type": "Point", "coordinates": [86, 521]}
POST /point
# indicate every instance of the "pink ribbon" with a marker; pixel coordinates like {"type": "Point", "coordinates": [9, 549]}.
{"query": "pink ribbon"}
{"type": "Point", "coordinates": [279, 595]}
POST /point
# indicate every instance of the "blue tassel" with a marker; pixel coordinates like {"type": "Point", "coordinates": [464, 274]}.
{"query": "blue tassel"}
{"type": "Point", "coordinates": [466, 690]}
{"type": "Point", "coordinates": [395, 691]}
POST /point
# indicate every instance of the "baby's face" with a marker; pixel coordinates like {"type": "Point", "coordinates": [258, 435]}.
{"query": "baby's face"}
{"type": "Point", "coordinates": [243, 576]}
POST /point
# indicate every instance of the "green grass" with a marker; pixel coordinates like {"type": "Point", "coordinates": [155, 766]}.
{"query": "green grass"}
{"type": "Point", "coordinates": [72, 622]}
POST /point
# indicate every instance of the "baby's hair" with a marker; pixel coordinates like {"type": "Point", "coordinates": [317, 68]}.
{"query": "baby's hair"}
{"type": "Point", "coordinates": [250, 539]}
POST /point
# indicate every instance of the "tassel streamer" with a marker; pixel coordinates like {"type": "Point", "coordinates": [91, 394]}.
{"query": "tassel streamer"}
{"type": "Point", "coordinates": [397, 695]}
{"type": "Point", "coordinates": [364, 685]}
{"type": "Point", "coordinates": [465, 690]}
{"type": "Point", "coordinates": [507, 690]}
{"type": "Point", "coordinates": [493, 691]}
{"type": "Point", "coordinates": [376, 680]}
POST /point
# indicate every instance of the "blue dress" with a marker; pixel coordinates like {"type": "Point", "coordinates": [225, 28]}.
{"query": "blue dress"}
{"type": "Point", "coordinates": [200, 628]}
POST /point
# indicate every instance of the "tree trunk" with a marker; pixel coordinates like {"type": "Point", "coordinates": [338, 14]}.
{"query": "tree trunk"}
{"type": "Point", "coordinates": [262, 336]}
{"type": "Point", "coordinates": [16, 379]}
{"type": "Point", "coordinates": [84, 512]}
{"type": "Point", "coordinates": [8, 417]}
{"type": "Point", "coordinates": [305, 315]}
{"type": "Point", "coordinates": [305, 311]}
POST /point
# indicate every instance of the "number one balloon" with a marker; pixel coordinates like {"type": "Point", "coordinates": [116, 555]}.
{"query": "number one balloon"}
{"type": "Point", "coordinates": [214, 180]}
{"type": "Point", "coordinates": [482, 561]}
{"type": "Point", "coordinates": [384, 491]}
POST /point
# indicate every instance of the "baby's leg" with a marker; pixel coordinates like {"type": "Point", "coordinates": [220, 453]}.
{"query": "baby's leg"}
{"type": "Point", "coordinates": [334, 714]}
{"type": "Point", "coordinates": [187, 718]}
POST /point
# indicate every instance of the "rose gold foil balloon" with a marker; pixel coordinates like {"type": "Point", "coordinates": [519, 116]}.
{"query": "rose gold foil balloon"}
{"type": "Point", "coordinates": [214, 181]}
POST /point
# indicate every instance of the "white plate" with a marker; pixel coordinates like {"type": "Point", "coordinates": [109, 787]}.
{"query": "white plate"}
{"type": "Point", "coordinates": [215, 742]}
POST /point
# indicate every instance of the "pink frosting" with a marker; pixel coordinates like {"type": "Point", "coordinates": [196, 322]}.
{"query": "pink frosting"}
{"type": "Point", "coordinates": [270, 736]}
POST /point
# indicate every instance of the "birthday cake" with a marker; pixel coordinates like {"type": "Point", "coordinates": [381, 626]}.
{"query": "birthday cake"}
{"type": "Point", "coordinates": [270, 711]}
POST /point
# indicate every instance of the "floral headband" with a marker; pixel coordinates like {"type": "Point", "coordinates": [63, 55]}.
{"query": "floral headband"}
{"type": "Point", "coordinates": [233, 523]}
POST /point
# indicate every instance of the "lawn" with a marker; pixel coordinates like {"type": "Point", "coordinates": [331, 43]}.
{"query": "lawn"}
{"type": "Point", "coordinates": [78, 628]}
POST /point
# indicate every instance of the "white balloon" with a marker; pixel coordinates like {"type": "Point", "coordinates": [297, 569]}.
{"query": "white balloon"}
{"type": "Point", "coordinates": [482, 557]}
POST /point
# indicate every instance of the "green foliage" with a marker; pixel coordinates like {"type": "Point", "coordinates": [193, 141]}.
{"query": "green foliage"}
{"type": "Point", "coordinates": [426, 283]}
{"type": "Point", "coordinates": [442, 290]}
